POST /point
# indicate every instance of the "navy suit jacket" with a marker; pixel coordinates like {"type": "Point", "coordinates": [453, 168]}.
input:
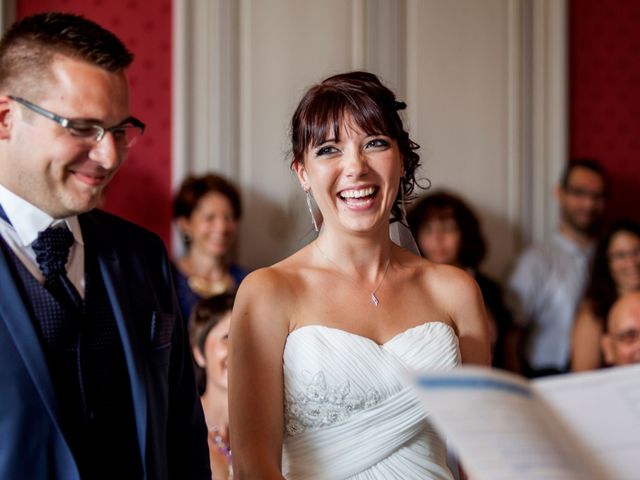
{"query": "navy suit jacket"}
{"type": "Point", "coordinates": [170, 428]}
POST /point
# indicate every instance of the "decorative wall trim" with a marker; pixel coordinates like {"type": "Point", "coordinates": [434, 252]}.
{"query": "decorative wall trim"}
{"type": "Point", "coordinates": [549, 125]}
{"type": "Point", "coordinates": [205, 88]}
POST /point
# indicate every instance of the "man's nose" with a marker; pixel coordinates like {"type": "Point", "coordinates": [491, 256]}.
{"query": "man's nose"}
{"type": "Point", "coordinates": [106, 152]}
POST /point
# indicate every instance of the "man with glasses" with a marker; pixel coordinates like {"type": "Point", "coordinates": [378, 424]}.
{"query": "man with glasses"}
{"type": "Point", "coordinates": [96, 379]}
{"type": "Point", "coordinates": [548, 280]}
{"type": "Point", "coordinates": [621, 342]}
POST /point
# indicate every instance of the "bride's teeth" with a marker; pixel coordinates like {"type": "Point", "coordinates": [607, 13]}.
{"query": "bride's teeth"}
{"type": "Point", "coordinates": [357, 193]}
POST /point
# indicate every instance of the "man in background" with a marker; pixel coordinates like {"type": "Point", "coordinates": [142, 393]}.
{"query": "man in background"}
{"type": "Point", "coordinates": [548, 280]}
{"type": "Point", "coordinates": [96, 378]}
{"type": "Point", "coordinates": [621, 341]}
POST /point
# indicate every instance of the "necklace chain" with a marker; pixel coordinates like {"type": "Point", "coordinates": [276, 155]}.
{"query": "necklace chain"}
{"type": "Point", "coordinates": [374, 297]}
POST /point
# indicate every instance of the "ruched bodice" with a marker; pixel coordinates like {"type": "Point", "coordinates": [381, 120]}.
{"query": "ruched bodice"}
{"type": "Point", "coordinates": [348, 413]}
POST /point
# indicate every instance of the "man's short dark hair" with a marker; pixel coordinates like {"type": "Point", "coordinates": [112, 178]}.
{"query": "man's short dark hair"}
{"type": "Point", "coordinates": [30, 45]}
{"type": "Point", "coordinates": [589, 164]}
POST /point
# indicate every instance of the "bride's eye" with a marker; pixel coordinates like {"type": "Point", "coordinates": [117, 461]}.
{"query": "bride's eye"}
{"type": "Point", "coordinates": [377, 143]}
{"type": "Point", "coordinates": [326, 150]}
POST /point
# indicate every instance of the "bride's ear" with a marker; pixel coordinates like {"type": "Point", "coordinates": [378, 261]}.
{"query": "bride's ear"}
{"type": "Point", "coordinates": [301, 172]}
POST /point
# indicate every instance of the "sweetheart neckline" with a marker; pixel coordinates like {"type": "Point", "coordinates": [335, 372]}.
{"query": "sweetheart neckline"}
{"type": "Point", "coordinates": [379, 345]}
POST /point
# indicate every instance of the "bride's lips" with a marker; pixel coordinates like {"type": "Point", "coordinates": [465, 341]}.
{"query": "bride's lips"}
{"type": "Point", "coordinates": [358, 198]}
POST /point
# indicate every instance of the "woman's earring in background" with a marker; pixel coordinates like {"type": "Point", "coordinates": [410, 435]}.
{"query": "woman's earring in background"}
{"type": "Point", "coordinates": [310, 207]}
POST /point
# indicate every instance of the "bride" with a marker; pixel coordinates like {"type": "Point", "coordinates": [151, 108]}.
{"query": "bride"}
{"type": "Point", "coordinates": [321, 340]}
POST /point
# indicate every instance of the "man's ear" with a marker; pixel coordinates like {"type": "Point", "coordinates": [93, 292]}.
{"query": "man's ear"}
{"type": "Point", "coordinates": [558, 192]}
{"type": "Point", "coordinates": [606, 345]}
{"type": "Point", "coordinates": [301, 172]}
{"type": "Point", "coordinates": [6, 117]}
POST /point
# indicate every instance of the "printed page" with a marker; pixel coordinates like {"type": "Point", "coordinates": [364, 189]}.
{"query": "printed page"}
{"type": "Point", "coordinates": [500, 428]}
{"type": "Point", "coordinates": [603, 409]}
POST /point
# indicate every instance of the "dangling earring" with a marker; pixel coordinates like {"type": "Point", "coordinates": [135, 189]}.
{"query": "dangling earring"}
{"type": "Point", "coordinates": [310, 207]}
{"type": "Point", "coordinates": [403, 207]}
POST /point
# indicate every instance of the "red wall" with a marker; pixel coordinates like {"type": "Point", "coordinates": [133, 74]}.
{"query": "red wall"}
{"type": "Point", "coordinates": [141, 192]}
{"type": "Point", "coordinates": [605, 93]}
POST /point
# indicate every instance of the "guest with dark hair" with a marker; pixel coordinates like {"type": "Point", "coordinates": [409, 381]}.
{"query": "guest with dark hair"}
{"type": "Point", "coordinates": [208, 332]}
{"type": "Point", "coordinates": [207, 210]}
{"type": "Point", "coordinates": [548, 280]}
{"type": "Point", "coordinates": [448, 232]}
{"type": "Point", "coordinates": [615, 271]}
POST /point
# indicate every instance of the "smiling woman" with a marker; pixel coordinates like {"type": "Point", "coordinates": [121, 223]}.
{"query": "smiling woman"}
{"type": "Point", "coordinates": [363, 310]}
{"type": "Point", "coordinates": [207, 209]}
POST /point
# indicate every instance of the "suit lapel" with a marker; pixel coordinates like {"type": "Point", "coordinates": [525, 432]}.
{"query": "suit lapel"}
{"type": "Point", "coordinates": [15, 315]}
{"type": "Point", "coordinates": [114, 281]}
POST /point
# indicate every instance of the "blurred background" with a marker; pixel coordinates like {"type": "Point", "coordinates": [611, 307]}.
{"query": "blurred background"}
{"type": "Point", "coordinates": [500, 94]}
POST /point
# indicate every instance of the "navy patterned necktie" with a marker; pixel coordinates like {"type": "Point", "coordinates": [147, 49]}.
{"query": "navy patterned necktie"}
{"type": "Point", "coordinates": [52, 251]}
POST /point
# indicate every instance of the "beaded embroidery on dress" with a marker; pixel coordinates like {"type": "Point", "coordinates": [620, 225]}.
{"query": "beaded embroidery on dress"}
{"type": "Point", "coordinates": [347, 411]}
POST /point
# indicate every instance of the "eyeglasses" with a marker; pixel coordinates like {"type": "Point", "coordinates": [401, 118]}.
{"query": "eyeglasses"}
{"type": "Point", "coordinates": [125, 134]}
{"type": "Point", "coordinates": [620, 255]}
{"type": "Point", "coordinates": [584, 193]}
{"type": "Point", "coordinates": [628, 337]}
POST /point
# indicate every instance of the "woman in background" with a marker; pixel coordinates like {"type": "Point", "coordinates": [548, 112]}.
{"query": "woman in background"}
{"type": "Point", "coordinates": [448, 232]}
{"type": "Point", "coordinates": [207, 210]}
{"type": "Point", "coordinates": [615, 271]}
{"type": "Point", "coordinates": [208, 333]}
{"type": "Point", "coordinates": [321, 341]}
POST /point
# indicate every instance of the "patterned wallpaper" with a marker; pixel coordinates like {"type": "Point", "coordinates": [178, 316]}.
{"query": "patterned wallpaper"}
{"type": "Point", "coordinates": [141, 192]}
{"type": "Point", "coordinates": [605, 94]}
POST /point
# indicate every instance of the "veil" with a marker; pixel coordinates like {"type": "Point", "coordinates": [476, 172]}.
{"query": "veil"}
{"type": "Point", "coordinates": [402, 236]}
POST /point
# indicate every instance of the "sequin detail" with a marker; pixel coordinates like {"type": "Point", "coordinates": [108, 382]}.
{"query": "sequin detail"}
{"type": "Point", "coordinates": [321, 405]}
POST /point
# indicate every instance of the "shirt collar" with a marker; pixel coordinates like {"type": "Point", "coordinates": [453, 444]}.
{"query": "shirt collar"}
{"type": "Point", "coordinates": [571, 246]}
{"type": "Point", "coordinates": [28, 220]}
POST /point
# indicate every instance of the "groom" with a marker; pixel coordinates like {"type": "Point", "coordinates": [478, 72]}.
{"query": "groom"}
{"type": "Point", "coordinates": [96, 378]}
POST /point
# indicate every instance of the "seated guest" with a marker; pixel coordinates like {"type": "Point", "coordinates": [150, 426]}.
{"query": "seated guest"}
{"type": "Point", "coordinates": [207, 209]}
{"type": "Point", "coordinates": [615, 271]}
{"type": "Point", "coordinates": [448, 232]}
{"type": "Point", "coordinates": [621, 341]}
{"type": "Point", "coordinates": [208, 332]}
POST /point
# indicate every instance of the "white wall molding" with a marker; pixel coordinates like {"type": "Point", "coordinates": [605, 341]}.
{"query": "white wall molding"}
{"type": "Point", "coordinates": [549, 113]}
{"type": "Point", "coordinates": [205, 88]}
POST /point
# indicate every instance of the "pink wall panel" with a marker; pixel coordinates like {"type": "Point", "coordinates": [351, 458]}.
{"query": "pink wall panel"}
{"type": "Point", "coordinates": [141, 192]}
{"type": "Point", "coordinates": [605, 93]}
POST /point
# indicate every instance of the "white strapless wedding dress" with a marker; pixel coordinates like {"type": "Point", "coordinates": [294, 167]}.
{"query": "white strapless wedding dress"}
{"type": "Point", "coordinates": [348, 413]}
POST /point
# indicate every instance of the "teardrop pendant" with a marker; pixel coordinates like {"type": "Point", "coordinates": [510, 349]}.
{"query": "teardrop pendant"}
{"type": "Point", "coordinates": [374, 299]}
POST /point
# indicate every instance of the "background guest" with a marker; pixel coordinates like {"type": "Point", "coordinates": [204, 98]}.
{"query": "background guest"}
{"type": "Point", "coordinates": [615, 271]}
{"type": "Point", "coordinates": [448, 232]}
{"type": "Point", "coordinates": [549, 279]}
{"type": "Point", "coordinates": [207, 210]}
{"type": "Point", "coordinates": [208, 332]}
{"type": "Point", "coordinates": [621, 341]}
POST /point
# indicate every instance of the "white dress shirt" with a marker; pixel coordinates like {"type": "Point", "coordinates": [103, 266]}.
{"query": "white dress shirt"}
{"type": "Point", "coordinates": [547, 284]}
{"type": "Point", "coordinates": [27, 221]}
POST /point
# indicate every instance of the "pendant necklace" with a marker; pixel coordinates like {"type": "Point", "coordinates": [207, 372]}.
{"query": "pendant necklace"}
{"type": "Point", "coordinates": [374, 298]}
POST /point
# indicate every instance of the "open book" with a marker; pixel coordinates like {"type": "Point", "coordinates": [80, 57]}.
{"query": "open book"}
{"type": "Point", "coordinates": [568, 427]}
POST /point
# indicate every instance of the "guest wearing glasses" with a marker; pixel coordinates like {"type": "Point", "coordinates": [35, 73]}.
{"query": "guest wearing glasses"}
{"type": "Point", "coordinates": [621, 341]}
{"type": "Point", "coordinates": [615, 272]}
{"type": "Point", "coordinates": [96, 378]}
{"type": "Point", "coordinates": [549, 279]}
